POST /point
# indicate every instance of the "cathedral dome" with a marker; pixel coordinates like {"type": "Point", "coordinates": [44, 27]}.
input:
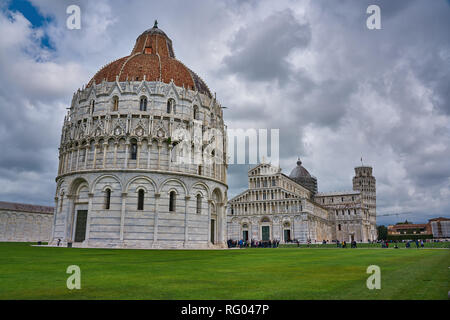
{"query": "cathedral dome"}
{"type": "Point", "coordinates": [299, 171]}
{"type": "Point", "coordinates": [152, 59]}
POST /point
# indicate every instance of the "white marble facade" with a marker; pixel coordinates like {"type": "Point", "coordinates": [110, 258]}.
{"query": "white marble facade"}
{"type": "Point", "coordinates": [288, 211]}
{"type": "Point", "coordinates": [276, 208]}
{"type": "Point", "coordinates": [123, 225]}
{"type": "Point", "coordinates": [150, 140]}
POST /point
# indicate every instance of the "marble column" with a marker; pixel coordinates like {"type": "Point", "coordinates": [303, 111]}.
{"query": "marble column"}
{"type": "Point", "coordinates": [86, 155]}
{"type": "Point", "coordinates": [149, 149]}
{"type": "Point", "coordinates": [78, 158]}
{"type": "Point", "coordinates": [127, 148]}
{"type": "Point", "coordinates": [138, 156]}
{"type": "Point", "coordinates": [186, 213]}
{"type": "Point", "coordinates": [155, 223]}
{"type": "Point", "coordinates": [209, 223]}
{"type": "Point", "coordinates": [105, 147]}
{"type": "Point", "coordinates": [122, 214]}
{"type": "Point", "coordinates": [89, 217]}
{"type": "Point", "coordinates": [95, 155]}
{"type": "Point", "coordinates": [115, 154]}
{"type": "Point", "coordinates": [159, 155]}
{"type": "Point", "coordinates": [69, 217]}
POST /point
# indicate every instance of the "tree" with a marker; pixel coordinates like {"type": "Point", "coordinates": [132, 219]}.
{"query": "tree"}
{"type": "Point", "coordinates": [382, 232]}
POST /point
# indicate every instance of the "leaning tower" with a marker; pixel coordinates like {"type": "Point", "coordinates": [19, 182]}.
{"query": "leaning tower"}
{"type": "Point", "coordinates": [365, 182]}
{"type": "Point", "coordinates": [142, 158]}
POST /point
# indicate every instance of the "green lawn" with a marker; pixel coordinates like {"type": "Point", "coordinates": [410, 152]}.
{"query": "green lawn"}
{"type": "Point", "coordinates": [445, 244]}
{"type": "Point", "coordinates": [284, 273]}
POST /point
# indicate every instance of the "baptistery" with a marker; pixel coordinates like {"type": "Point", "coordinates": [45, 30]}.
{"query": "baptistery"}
{"type": "Point", "coordinates": [142, 157]}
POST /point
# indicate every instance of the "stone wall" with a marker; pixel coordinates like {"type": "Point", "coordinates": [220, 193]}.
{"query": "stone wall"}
{"type": "Point", "coordinates": [25, 223]}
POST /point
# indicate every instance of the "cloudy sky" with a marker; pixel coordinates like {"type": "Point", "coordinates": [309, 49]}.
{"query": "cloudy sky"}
{"type": "Point", "coordinates": [336, 90]}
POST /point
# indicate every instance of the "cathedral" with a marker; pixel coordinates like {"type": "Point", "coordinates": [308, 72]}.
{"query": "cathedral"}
{"type": "Point", "coordinates": [142, 157]}
{"type": "Point", "coordinates": [289, 208]}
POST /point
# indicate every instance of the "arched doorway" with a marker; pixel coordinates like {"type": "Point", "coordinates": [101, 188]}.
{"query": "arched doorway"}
{"type": "Point", "coordinates": [266, 234]}
{"type": "Point", "coordinates": [245, 232]}
{"type": "Point", "coordinates": [78, 211]}
{"type": "Point", "coordinates": [286, 231]}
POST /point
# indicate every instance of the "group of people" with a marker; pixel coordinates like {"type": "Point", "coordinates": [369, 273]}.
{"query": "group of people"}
{"type": "Point", "coordinates": [253, 243]}
{"type": "Point", "coordinates": [274, 243]}
{"type": "Point", "coordinates": [419, 244]}
{"type": "Point", "coordinates": [343, 244]}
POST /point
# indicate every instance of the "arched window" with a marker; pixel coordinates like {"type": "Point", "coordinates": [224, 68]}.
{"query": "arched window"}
{"type": "Point", "coordinates": [115, 103]}
{"type": "Point", "coordinates": [83, 154]}
{"type": "Point", "coordinates": [140, 204]}
{"type": "Point", "coordinates": [172, 201]}
{"type": "Point", "coordinates": [107, 198]}
{"type": "Point", "coordinates": [339, 227]}
{"type": "Point", "coordinates": [92, 106]}
{"type": "Point", "coordinates": [133, 153]}
{"type": "Point", "coordinates": [171, 106]}
{"type": "Point", "coordinates": [199, 203]}
{"type": "Point", "coordinates": [91, 149]}
{"type": "Point", "coordinates": [196, 114]}
{"type": "Point", "coordinates": [143, 104]}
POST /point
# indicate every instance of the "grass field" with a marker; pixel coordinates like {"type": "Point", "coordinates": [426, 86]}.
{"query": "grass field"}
{"type": "Point", "coordinates": [284, 273]}
{"type": "Point", "coordinates": [445, 244]}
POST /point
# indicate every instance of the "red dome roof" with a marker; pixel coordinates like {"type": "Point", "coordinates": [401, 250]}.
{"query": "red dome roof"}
{"type": "Point", "coordinates": [152, 57]}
